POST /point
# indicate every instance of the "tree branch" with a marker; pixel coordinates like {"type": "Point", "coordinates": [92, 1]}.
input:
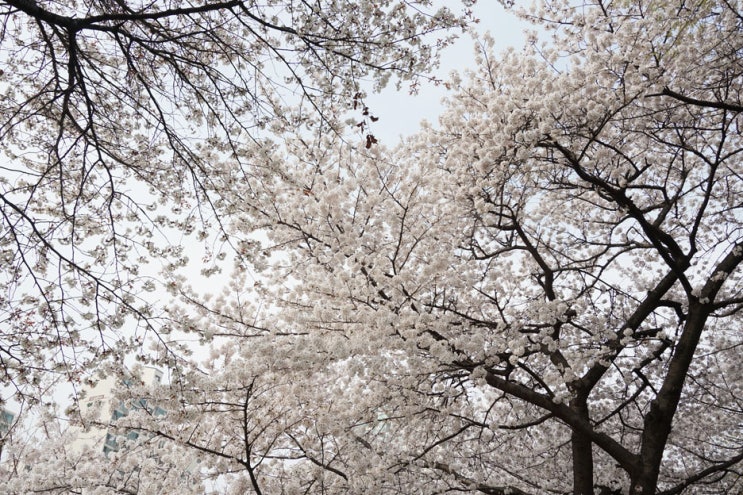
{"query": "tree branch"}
{"type": "Point", "coordinates": [733, 107]}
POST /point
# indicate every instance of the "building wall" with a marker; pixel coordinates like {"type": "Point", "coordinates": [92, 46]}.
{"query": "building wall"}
{"type": "Point", "coordinates": [99, 408]}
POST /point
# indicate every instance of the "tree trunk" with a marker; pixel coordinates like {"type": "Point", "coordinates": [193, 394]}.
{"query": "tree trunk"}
{"type": "Point", "coordinates": [582, 453]}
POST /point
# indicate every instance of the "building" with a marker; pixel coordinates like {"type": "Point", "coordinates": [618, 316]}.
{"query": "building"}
{"type": "Point", "coordinates": [100, 408]}
{"type": "Point", "coordinates": [6, 422]}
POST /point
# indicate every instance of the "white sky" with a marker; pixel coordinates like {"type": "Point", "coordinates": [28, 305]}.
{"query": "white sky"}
{"type": "Point", "coordinates": [401, 113]}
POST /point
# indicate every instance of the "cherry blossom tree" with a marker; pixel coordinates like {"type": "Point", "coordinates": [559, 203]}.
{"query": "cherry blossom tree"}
{"type": "Point", "coordinates": [540, 295]}
{"type": "Point", "coordinates": [124, 125]}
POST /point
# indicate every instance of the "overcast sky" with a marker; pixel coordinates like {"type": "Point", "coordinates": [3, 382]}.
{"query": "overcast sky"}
{"type": "Point", "coordinates": [400, 113]}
